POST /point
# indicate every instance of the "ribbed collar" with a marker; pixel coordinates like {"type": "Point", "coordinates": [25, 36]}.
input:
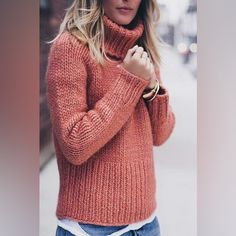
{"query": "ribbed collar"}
{"type": "Point", "coordinates": [118, 40]}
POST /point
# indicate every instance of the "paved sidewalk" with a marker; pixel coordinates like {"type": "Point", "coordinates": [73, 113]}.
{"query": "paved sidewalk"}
{"type": "Point", "coordinates": [175, 161]}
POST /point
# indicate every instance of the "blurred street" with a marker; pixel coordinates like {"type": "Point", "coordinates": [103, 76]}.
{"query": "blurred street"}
{"type": "Point", "coordinates": [175, 161]}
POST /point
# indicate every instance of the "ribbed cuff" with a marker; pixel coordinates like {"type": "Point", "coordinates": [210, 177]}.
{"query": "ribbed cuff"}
{"type": "Point", "coordinates": [158, 107]}
{"type": "Point", "coordinates": [133, 86]}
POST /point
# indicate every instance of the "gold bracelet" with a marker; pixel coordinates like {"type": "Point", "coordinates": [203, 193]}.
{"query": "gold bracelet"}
{"type": "Point", "coordinates": [148, 100]}
{"type": "Point", "coordinates": [149, 94]}
{"type": "Point", "coordinates": [153, 91]}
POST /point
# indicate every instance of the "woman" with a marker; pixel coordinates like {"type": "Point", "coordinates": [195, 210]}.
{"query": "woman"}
{"type": "Point", "coordinates": [108, 109]}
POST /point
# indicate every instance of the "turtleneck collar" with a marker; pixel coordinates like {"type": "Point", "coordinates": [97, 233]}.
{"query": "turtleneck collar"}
{"type": "Point", "coordinates": [118, 39]}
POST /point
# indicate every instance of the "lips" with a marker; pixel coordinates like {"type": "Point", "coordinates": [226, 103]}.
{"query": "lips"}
{"type": "Point", "coordinates": [124, 10]}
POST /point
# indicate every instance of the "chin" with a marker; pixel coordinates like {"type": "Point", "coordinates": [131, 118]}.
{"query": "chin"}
{"type": "Point", "coordinates": [121, 20]}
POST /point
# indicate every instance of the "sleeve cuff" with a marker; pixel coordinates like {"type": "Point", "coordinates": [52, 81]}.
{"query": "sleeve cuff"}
{"type": "Point", "coordinates": [159, 105]}
{"type": "Point", "coordinates": [132, 86]}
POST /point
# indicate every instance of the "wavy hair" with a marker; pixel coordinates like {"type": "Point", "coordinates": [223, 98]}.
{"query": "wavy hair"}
{"type": "Point", "coordinates": [84, 20]}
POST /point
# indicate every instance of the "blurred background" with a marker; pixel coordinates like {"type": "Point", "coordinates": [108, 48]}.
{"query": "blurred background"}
{"type": "Point", "coordinates": [175, 161]}
{"type": "Point", "coordinates": [178, 28]}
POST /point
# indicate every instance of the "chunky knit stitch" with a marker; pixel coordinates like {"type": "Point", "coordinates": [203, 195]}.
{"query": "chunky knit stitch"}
{"type": "Point", "coordinates": [104, 131]}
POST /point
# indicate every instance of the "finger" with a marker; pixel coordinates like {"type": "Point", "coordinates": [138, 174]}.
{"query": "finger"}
{"type": "Point", "coordinates": [138, 53]}
{"type": "Point", "coordinates": [144, 55]}
{"type": "Point", "coordinates": [143, 61]}
{"type": "Point", "coordinates": [131, 51]}
{"type": "Point", "coordinates": [139, 50]}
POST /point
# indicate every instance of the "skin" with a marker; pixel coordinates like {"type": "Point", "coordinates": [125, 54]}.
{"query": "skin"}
{"type": "Point", "coordinates": [110, 9]}
{"type": "Point", "coordinates": [136, 60]}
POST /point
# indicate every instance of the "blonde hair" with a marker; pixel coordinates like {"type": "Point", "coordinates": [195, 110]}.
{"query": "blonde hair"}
{"type": "Point", "coordinates": [84, 20]}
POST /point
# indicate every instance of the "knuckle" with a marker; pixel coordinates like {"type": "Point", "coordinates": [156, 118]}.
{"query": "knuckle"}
{"type": "Point", "coordinates": [142, 62]}
{"type": "Point", "coordinates": [140, 49]}
{"type": "Point", "coordinates": [135, 58]}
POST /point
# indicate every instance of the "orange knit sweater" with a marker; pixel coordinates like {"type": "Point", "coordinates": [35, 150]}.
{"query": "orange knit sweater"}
{"type": "Point", "coordinates": [104, 131]}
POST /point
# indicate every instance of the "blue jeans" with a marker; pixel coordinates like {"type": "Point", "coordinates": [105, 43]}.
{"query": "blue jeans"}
{"type": "Point", "coordinates": [149, 229]}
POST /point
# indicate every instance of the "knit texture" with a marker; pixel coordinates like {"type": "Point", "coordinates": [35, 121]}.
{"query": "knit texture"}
{"type": "Point", "coordinates": [104, 131]}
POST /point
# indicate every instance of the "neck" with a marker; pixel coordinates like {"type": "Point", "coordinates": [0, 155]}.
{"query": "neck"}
{"type": "Point", "coordinates": [119, 39]}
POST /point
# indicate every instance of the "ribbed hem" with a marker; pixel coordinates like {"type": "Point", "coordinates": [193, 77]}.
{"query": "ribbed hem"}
{"type": "Point", "coordinates": [101, 193]}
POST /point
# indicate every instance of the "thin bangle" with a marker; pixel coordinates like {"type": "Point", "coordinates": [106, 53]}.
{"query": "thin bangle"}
{"type": "Point", "coordinates": [147, 95]}
{"type": "Point", "coordinates": [148, 100]}
{"type": "Point", "coordinates": [153, 91]}
{"type": "Point", "coordinates": [150, 94]}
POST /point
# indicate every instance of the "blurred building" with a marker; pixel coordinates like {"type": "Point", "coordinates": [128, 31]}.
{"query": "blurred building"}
{"type": "Point", "coordinates": [51, 14]}
{"type": "Point", "coordinates": [186, 37]}
{"type": "Point", "coordinates": [178, 28]}
{"type": "Point", "coordinates": [165, 28]}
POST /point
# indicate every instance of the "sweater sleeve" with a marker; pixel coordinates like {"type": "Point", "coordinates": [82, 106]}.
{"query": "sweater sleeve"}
{"type": "Point", "coordinates": [161, 115]}
{"type": "Point", "coordinates": [81, 131]}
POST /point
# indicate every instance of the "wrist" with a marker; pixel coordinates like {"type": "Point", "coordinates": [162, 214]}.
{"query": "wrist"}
{"type": "Point", "coordinates": [152, 84]}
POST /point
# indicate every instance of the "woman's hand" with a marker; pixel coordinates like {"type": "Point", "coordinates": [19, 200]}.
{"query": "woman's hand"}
{"type": "Point", "coordinates": [138, 63]}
